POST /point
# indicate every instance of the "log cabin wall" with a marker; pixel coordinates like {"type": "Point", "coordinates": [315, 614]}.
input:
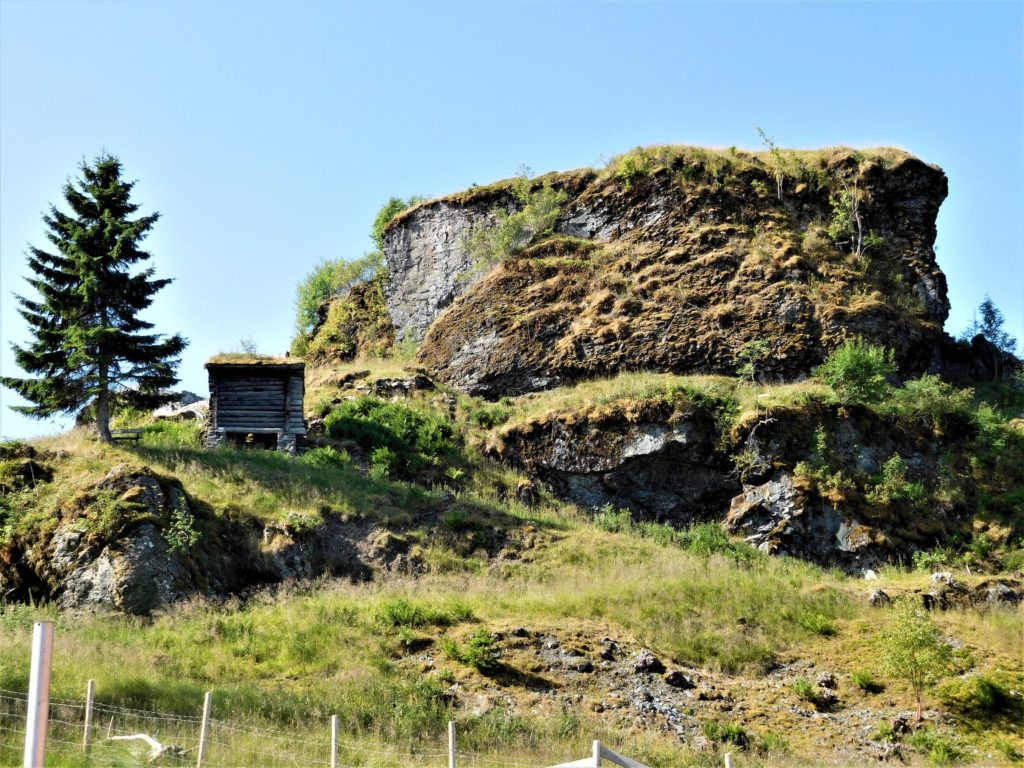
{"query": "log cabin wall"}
{"type": "Point", "coordinates": [258, 400]}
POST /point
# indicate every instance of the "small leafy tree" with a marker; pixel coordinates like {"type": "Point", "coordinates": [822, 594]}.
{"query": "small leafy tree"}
{"type": "Point", "coordinates": [847, 224]}
{"type": "Point", "coordinates": [751, 356]}
{"type": "Point", "coordinates": [912, 649]}
{"type": "Point", "coordinates": [514, 231]}
{"type": "Point", "coordinates": [990, 325]}
{"type": "Point", "coordinates": [327, 280]}
{"type": "Point", "coordinates": [777, 164]}
{"type": "Point", "coordinates": [388, 211]}
{"type": "Point", "coordinates": [858, 372]}
{"type": "Point", "coordinates": [91, 345]}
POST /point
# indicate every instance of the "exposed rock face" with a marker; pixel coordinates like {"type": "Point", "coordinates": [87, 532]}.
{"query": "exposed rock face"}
{"type": "Point", "coordinates": [136, 574]}
{"type": "Point", "coordinates": [126, 563]}
{"type": "Point", "coordinates": [666, 460]}
{"type": "Point", "coordinates": [779, 519]}
{"type": "Point", "coordinates": [650, 458]}
{"type": "Point", "coordinates": [675, 271]}
{"type": "Point", "coordinates": [425, 258]}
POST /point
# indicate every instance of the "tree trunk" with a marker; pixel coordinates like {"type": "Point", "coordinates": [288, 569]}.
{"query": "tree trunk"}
{"type": "Point", "coordinates": [103, 409]}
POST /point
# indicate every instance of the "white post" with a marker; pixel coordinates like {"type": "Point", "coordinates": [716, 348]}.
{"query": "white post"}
{"type": "Point", "coordinates": [334, 741]}
{"type": "Point", "coordinates": [451, 744]}
{"type": "Point", "coordinates": [38, 695]}
{"type": "Point", "coordinates": [597, 754]}
{"type": "Point", "coordinates": [205, 729]}
{"type": "Point", "coordinates": [728, 760]}
{"type": "Point", "coordinates": [90, 692]}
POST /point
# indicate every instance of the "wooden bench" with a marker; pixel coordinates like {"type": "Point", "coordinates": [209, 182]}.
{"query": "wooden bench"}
{"type": "Point", "coordinates": [122, 435]}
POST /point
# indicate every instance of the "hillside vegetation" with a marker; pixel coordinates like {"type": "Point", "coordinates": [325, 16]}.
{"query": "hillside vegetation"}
{"type": "Point", "coordinates": [655, 454]}
{"type": "Point", "coordinates": [462, 563]}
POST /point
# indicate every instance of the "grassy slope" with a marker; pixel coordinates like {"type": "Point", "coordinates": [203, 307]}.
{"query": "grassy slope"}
{"type": "Point", "coordinates": [291, 659]}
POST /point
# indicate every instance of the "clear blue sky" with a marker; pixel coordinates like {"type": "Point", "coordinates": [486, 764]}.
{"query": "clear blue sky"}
{"type": "Point", "coordinates": [269, 134]}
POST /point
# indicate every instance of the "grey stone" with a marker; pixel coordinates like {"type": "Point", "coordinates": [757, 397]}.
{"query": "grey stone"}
{"type": "Point", "coordinates": [645, 661]}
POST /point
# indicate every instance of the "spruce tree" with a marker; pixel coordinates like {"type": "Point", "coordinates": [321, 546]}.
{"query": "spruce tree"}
{"type": "Point", "coordinates": [91, 347]}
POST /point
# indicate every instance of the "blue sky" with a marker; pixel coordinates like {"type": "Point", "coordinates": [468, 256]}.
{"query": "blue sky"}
{"type": "Point", "coordinates": [269, 134]}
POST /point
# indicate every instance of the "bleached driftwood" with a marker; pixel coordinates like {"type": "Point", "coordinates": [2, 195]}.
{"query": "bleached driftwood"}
{"type": "Point", "coordinates": [156, 749]}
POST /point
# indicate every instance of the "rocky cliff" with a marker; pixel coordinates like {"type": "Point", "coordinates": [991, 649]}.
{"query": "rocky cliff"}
{"type": "Point", "coordinates": [673, 259]}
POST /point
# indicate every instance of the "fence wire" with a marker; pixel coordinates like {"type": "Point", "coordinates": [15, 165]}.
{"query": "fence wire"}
{"type": "Point", "coordinates": [122, 737]}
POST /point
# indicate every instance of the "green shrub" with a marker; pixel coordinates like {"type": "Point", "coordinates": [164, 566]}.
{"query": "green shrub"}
{"type": "Point", "coordinates": [388, 211]}
{"type": "Point", "coordinates": [514, 231]}
{"type": "Point", "coordinates": [932, 560]}
{"type": "Point", "coordinates": [328, 279]}
{"type": "Point", "coordinates": [939, 748]}
{"type": "Point", "coordinates": [490, 416]}
{"type": "Point", "coordinates": [613, 520]}
{"type": "Point", "coordinates": [772, 743]}
{"type": "Point", "coordinates": [634, 165]}
{"type": "Point", "coordinates": [726, 733]}
{"type": "Point", "coordinates": [858, 372]}
{"type": "Point", "coordinates": [482, 652]}
{"type": "Point", "coordinates": [326, 457]}
{"type": "Point", "coordinates": [750, 358]}
{"type": "Point", "coordinates": [384, 462]}
{"type": "Point", "coordinates": [892, 487]}
{"type": "Point", "coordinates": [405, 612]}
{"type": "Point", "coordinates": [401, 440]}
{"type": "Point", "coordinates": [181, 533]}
{"type": "Point", "coordinates": [172, 434]}
{"type": "Point", "coordinates": [866, 682]}
{"type": "Point", "coordinates": [981, 696]}
{"type": "Point", "coordinates": [832, 484]}
{"type": "Point", "coordinates": [930, 401]}
{"type": "Point", "coordinates": [805, 690]}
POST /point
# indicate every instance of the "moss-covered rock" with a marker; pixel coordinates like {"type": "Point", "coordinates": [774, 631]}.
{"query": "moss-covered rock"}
{"type": "Point", "coordinates": [674, 266]}
{"type": "Point", "coordinates": [354, 325]}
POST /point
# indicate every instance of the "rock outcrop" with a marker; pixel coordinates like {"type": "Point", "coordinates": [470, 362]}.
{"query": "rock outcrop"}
{"type": "Point", "coordinates": [675, 270]}
{"type": "Point", "coordinates": [839, 486]}
{"type": "Point", "coordinates": [657, 459]}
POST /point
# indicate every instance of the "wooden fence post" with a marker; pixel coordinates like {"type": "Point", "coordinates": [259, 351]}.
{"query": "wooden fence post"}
{"type": "Point", "coordinates": [90, 692]}
{"type": "Point", "coordinates": [334, 741]}
{"type": "Point", "coordinates": [451, 744]}
{"type": "Point", "coordinates": [728, 760]}
{"type": "Point", "coordinates": [205, 729]}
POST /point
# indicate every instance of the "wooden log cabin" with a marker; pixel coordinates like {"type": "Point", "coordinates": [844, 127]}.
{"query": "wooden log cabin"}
{"type": "Point", "coordinates": [256, 401]}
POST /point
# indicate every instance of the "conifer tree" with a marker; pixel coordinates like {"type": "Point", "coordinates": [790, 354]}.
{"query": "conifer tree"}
{"type": "Point", "coordinates": [90, 344]}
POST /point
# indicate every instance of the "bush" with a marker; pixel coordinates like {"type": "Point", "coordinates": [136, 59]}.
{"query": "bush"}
{"type": "Point", "coordinates": [514, 231]}
{"type": "Point", "coordinates": [388, 211]}
{"type": "Point", "coordinates": [482, 652]}
{"type": "Point", "coordinates": [633, 166]}
{"type": "Point", "coordinates": [614, 520]}
{"type": "Point", "coordinates": [326, 458]}
{"type": "Point", "coordinates": [805, 690]}
{"type": "Point", "coordinates": [981, 696]}
{"type": "Point", "coordinates": [913, 649]}
{"type": "Point", "coordinates": [866, 682]}
{"type": "Point", "coordinates": [858, 372]}
{"type": "Point", "coordinates": [940, 749]}
{"type": "Point", "coordinates": [405, 612]}
{"type": "Point", "coordinates": [400, 440]}
{"type": "Point", "coordinates": [490, 416]}
{"type": "Point", "coordinates": [894, 488]}
{"type": "Point", "coordinates": [172, 434]}
{"type": "Point", "coordinates": [327, 280]}
{"type": "Point", "coordinates": [726, 733]}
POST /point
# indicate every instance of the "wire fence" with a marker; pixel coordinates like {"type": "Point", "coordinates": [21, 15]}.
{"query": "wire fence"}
{"type": "Point", "coordinates": [121, 737]}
